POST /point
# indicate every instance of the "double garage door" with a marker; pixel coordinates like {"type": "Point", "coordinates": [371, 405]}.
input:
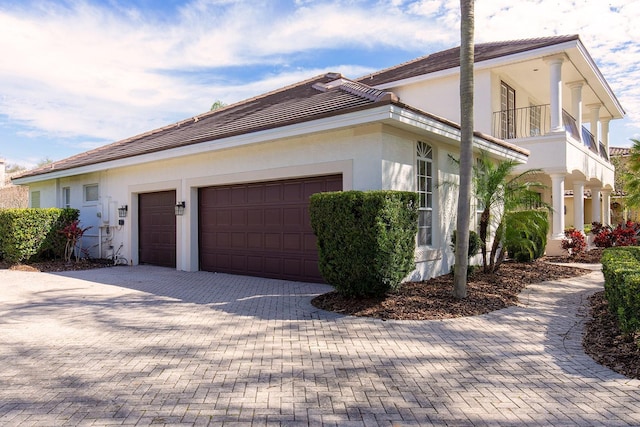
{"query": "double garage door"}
{"type": "Point", "coordinates": [257, 229]}
{"type": "Point", "coordinates": [262, 229]}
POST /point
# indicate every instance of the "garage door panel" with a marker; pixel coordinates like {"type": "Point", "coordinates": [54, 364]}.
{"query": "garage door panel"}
{"type": "Point", "coordinates": [238, 240]}
{"type": "Point", "coordinates": [261, 229]}
{"type": "Point", "coordinates": [273, 241]}
{"type": "Point", "coordinates": [238, 195]}
{"type": "Point", "coordinates": [291, 242]}
{"type": "Point", "coordinates": [255, 241]}
{"type": "Point", "coordinates": [255, 218]}
{"type": "Point", "coordinates": [293, 216]}
{"type": "Point", "coordinates": [293, 192]}
{"type": "Point", "coordinates": [272, 193]}
{"type": "Point", "coordinates": [239, 217]}
{"type": "Point", "coordinates": [310, 242]}
{"type": "Point", "coordinates": [223, 217]}
{"type": "Point", "coordinates": [273, 217]}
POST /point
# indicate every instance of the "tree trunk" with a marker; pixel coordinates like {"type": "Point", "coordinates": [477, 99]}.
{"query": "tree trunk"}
{"type": "Point", "coordinates": [484, 228]}
{"type": "Point", "coordinates": [466, 148]}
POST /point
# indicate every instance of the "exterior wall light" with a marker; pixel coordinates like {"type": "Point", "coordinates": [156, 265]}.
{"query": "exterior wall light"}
{"type": "Point", "coordinates": [122, 211]}
{"type": "Point", "coordinates": [180, 208]}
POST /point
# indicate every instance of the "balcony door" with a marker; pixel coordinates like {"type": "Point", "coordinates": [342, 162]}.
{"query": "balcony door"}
{"type": "Point", "coordinates": [507, 111]}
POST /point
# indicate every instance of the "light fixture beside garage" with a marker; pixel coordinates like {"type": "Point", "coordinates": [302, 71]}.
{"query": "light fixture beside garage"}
{"type": "Point", "coordinates": [180, 208]}
{"type": "Point", "coordinates": [122, 211]}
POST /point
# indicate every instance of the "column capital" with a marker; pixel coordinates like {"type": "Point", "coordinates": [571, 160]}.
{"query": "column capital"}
{"type": "Point", "coordinates": [577, 84]}
{"type": "Point", "coordinates": [555, 59]}
{"type": "Point", "coordinates": [557, 175]}
{"type": "Point", "coordinates": [594, 107]}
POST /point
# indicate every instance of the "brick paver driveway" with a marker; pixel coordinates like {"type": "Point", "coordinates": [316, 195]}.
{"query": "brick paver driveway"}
{"type": "Point", "coordinates": [148, 345]}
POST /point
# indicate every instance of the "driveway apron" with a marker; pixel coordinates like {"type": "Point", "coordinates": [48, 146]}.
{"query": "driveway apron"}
{"type": "Point", "coordinates": [154, 346]}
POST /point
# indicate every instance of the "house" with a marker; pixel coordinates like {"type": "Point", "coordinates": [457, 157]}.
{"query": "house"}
{"type": "Point", "coordinates": [11, 196]}
{"type": "Point", "coordinates": [227, 190]}
{"type": "Point", "coordinates": [538, 94]}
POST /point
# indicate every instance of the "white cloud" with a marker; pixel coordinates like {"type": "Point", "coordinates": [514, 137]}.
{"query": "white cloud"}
{"type": "Point", "coordinates": [84, 70]}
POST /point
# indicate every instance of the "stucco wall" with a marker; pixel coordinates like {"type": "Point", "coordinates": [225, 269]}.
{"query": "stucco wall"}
{"type": "Point", "coordinates": [369, 157]}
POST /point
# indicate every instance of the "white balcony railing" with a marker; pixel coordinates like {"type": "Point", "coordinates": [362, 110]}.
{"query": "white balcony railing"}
{"type": "Point", "coordinates": [535, 121]}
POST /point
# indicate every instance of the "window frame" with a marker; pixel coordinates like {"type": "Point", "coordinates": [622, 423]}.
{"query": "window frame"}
{"type": "Point", "coordinates": [425, 188]}
{"type": "Point", "coordinates": [66, 197]}
{"type": "Point", "coordinates": [84, 194]}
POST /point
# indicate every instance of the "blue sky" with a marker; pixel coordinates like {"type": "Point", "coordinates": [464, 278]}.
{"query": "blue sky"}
{"type": "Point", "coordinates": [78, 74]}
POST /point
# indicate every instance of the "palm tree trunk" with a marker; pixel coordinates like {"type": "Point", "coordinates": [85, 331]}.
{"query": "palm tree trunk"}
{"type": "Point", "coordinates": [466, 141]}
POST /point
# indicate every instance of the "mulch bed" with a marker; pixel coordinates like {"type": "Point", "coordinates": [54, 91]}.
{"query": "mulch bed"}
{"type": "Point", "coordinates": [433, 299]}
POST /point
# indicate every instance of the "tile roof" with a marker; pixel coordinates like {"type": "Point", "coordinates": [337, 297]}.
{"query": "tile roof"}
{"type": "Point", "coordinates": [619, 151]}
{"type": "Point", "coordinates": [323, 96]}
{"type": "Point", "coordinates": [450, 58]}
{"type": "Point", "coordinates": [307, 100]}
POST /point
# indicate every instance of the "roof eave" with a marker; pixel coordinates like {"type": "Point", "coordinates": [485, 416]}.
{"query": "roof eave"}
{"type": "Point", "coordinates": [386, 111]}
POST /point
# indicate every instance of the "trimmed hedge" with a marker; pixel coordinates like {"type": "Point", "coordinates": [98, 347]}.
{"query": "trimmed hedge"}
{"type": "Point", "coordinates": [31, 234]}
{"type": "Point", "coordinates": [366, 240]}
{"type": "Point", "coordinates": [621, 269]}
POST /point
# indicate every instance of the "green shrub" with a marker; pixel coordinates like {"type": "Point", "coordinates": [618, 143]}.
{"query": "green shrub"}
{"type": "Point", "coordinates": [621, 269]}
{"type": "Point", "coordinates": [366, 240]}
{"type": "Point", "coordinates": [526, 234]}
{"type": "Point", "coordinates": [474, 243]}
{"type": "Point", "coordinates": [30, 234]}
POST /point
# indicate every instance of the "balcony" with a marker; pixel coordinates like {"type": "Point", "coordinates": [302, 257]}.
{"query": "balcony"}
{"type": "Point", "coordinates": [535, 121]}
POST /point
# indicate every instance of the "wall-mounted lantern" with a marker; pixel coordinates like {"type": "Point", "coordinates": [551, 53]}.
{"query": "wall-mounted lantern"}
{"type": "Point", "coordinates": [180, 208]}
{"type": "Point", "coordinates": [122, 211]}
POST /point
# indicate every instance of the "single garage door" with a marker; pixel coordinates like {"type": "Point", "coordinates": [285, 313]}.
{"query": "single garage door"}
{"type": "Point", "coordinates": [157, 228]}
{"type": "Point", "coordinates": [262, 229]}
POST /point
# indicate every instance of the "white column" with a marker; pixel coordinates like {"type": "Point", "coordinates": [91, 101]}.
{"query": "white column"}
{"type": "Point", "coordinates": [555, 91]}
{"type": "Point", "coordinates": [595, 121]}
{"type": "Point", "coordinates": [578, 205]}
{"type": "Point", "coordinates": [606, 203]}
{"type": "Point", "coordinates": [596, 207]}
{"type": "Point", "coordinates": [576, 103]}
{"type": "Point", "coordinates": [557, 194]}
{"type": "Point", "coordinates": [604, 128]}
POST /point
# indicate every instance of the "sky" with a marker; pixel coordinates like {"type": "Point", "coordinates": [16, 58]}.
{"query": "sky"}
{"type": "Point", "coordinates": [78, 74]}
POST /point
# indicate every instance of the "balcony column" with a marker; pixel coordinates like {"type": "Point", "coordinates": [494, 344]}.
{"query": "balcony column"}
{"type": "Point", "coordinates": [555, 90]}
{"type": "Point", "coordinates": [576, 103]}
{"type": "Point", "coordinates": [595, 121]}
{"type": "Point", "coordinates": [557, 194]}
{"type": "Point", "coordinates": [604, 127]}
{"type": "Point", "coordinates": [596, 206]}
{"type": "Point", "coordinates": [606, 203]}
{"type": "Point", "coordinates": [578, 205]}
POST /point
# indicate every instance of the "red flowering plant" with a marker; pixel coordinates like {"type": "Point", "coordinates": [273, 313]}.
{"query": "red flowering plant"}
{"type": "Point", "coordinates": [574, 242]}
{"type": "Point", "coordinates": [73, 233]}
{"type": "Point", "coordinates": [623, 235]}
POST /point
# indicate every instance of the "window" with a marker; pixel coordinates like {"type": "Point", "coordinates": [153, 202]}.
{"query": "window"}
{"type": "Point", "coordinates": [507, 111]}
{"type": "Point", "coordinates": [66, 197]}
{"type": "Point", "coordinates": [91, 193]}
{"type": "Point", "coordinates": [424, 164]}
{"type": "Point", "coordinates": [35, 199]}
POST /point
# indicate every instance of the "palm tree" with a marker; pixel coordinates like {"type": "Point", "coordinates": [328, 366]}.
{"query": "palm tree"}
{"type": "Point", "coordinates": [631, 178]}
{"type": "Point", "coordinates": [499, 192]}
{"type": "Point", "coordinates": [466, 142]}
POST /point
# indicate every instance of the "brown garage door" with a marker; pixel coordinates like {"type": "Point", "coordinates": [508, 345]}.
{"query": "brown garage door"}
{"type": "Point", "coordinates": [157, 228]}
{"type": "Point", "coordinates": [262, 229]}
